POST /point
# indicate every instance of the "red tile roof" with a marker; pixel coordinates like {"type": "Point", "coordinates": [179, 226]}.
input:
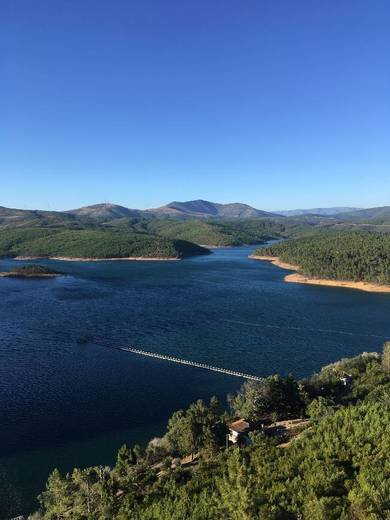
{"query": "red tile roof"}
{"type": "Point", "coordinates": [239, 426]}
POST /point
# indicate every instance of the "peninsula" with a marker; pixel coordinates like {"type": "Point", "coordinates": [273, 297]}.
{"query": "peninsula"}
{"type": "Point", "coordinates": [92, 245]}
{"type": "Point", "coordinates": [350, 260]}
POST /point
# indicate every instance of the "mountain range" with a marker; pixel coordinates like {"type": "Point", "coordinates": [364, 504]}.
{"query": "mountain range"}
{"type": "Point", "coordinates": [205, 209]}
{"type": "Point", "coordinates": [189, 210]}
{"type": "Point", "coordinates": [323, 212]}
{"type": "Point", "coordinates": [373, 215]}
{"type": "Point", "coordinates": [193, 209]}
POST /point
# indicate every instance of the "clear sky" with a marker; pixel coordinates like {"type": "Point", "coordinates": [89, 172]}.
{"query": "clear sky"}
{"type": "Point", "coordinates": [277, 103]}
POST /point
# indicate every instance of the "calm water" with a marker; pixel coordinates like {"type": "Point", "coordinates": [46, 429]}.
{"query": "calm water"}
{"type": "Point", "coordinates": [66, 399]}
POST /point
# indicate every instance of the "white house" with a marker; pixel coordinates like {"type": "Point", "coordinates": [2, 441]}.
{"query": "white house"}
{"type": "Point", "coordinates": [238, 430]}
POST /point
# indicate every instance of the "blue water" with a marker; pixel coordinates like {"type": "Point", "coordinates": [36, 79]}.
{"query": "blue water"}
{"type": "Point", "coordinates": [66, 399]}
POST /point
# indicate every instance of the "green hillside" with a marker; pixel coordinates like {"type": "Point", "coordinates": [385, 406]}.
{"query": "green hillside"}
{"type": "Point", "coordinates": [357, 256]}
{"type": "Point", "coordinates": [379, 215]}
{"type": "Point", "coordinates": [14, 218]}
{"type": "Point", "coordinates": [335, 468]}
{"type": "Point", "coordinates": [105, 216]}
{"type": "Point", "coordinates": [216, 233]}
{"type": "Point", "coordinates": [91, 243]}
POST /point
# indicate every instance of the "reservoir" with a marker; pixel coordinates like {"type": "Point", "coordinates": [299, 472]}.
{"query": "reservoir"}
{"type": "Point", "coordinates": [67, 400]}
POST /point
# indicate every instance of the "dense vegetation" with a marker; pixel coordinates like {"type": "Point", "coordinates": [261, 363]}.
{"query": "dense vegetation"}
{"type": "Point", "coordinates": [216, 233]}
{"type": "Point", "coordinates": [91, 243]}
{"type": "Point", "coordinates": [338, 468]}
{"type": "Point", "coordinates": [209, 232]}
{"type": "Point", "coordinates": [342, 256]}
{"type": "Point", "coordinates": [204, 232]}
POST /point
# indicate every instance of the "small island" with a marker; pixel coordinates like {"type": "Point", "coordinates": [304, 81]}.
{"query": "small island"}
{"type": "Point", "coordinates": [31, 271]}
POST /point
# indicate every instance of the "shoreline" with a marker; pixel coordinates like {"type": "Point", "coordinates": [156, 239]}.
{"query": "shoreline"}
{"type": "Point", "coordinates": [113, 259]}
{"type": "Point", "coordinates": [303, 279]}
{"type": "Point", "coordinates": [209, 246]}
{"type": "Point", "coordinates": [361, 286]}
{"type": "Point", "coordinates": [275, 261]}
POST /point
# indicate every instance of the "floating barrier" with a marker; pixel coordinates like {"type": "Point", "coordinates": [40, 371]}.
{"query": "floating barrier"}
{"type": "Point", "coordinates": [190, 363]}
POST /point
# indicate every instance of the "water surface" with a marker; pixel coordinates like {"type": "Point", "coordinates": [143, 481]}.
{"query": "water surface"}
{"type": "Point", "coordinates": [66, 399]}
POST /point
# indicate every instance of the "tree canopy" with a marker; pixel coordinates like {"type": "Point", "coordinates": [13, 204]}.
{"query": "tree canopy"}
{"type": "Point", "coordinates": [338, 468]}
{"type": "Point", "coordinates": [92, 243]}
{"type": "Point", "coordinates": [357, 256]}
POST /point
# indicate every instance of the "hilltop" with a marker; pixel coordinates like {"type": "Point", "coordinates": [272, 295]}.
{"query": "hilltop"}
{"type": "Point", "coordinates": [203, 209]}
{"type": "Point", "coordinates": [105, 212]}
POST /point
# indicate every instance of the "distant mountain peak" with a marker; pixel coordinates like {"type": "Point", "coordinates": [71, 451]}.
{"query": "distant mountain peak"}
{"type": "Point", "coordinates": [105, 210]}
{"type": "Point", "coordinates": [377, 215]}
{"type": "Point", "coordinates": [205, 209]}
{"type": "Point", "coordinates": [325, 212]}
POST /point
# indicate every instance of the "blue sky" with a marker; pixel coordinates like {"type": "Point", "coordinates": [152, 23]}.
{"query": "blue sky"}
{"type": "Point", "coordinates": [280, 104]}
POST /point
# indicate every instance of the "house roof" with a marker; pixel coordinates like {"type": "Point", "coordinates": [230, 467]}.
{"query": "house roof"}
{"type": "Point", "coordinates": [239, 426]}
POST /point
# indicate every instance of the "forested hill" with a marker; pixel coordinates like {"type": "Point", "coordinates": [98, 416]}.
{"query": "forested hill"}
{"type": "Point", "coordinates": [357, 256]}
{"type": "Point", "coordinates": [226, 232]}
{"type": "Point", "coordinates": [92, 243]}
{"type": "Point", "coordinates": [216, 233]}
{"type": "Point", "coordinates": [200, 209]}
{"type": "Point", "coordinates": [336, 467]}
{"type": "Point", "coordinates": [379, 215]}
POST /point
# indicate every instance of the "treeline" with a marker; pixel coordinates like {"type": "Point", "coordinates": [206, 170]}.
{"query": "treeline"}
{"type": "Point", "coordinates": [91, 243]}
{"type": "Point", "coordinates": [357, 256]}
{"type": "Point", "coordinates": [338, 468]}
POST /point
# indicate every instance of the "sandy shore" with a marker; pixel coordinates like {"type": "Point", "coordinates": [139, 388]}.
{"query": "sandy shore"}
{"type": "Point", "coordinates": [362, 286]}
{"type": "Point", "coordinates": [300, 278]}
{"type": "Point", "coordinates": [276, 261]}
{"type": "Point", "coordinates": [75, 259]}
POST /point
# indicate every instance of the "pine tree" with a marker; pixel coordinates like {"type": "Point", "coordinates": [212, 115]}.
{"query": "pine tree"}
{"type": "Point", "coordinates": [386, 357]}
